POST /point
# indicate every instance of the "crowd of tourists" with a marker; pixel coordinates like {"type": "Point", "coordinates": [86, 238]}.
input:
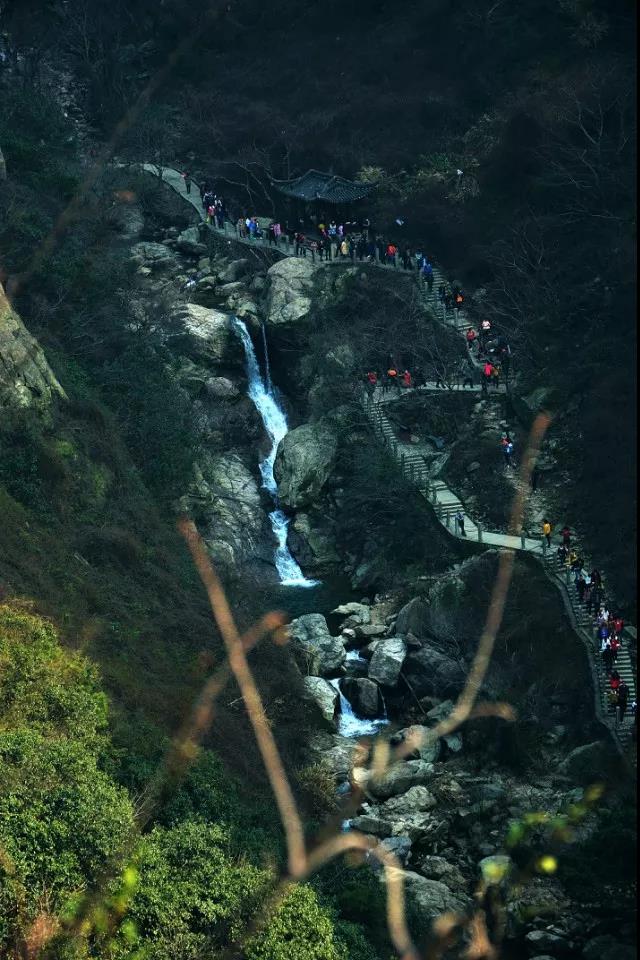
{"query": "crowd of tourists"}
{"type": "Point", "coordinates": [608, 625]}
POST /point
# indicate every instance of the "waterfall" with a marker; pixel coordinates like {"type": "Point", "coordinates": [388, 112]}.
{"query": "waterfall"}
{"type": "Point", "coordinates": [350, 725]}
{"type": "Point", "coordinates": [265, 350]}
{"type": "Point", "coordinates": [275, 423]}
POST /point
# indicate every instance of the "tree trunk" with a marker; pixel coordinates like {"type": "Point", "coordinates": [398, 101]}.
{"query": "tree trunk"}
{"type": "Point", "coordinates": [3, 167]}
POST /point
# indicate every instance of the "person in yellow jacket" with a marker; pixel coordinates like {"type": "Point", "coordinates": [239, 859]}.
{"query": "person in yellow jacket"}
{"type": "Point", "coordinates": [546, 530]}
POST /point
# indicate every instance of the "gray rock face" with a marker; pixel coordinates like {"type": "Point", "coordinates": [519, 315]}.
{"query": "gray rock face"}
{"type": "Point", "coordinates": [414, 800]}
{"type": "Point", "coordinates": [304, 462]}
{"type": "Point", "coordinates": [363, 695]}
{"type": "Point", "coordinates": [208, 335]}
{"type": "Point", "coordinates": [231, 498]}
{"type": "Point", "coordinates": [235, 270]}
{"type": "Point", "coordinates": [387, 660]}
{"type": "Point", "coordinates": [373, 824]}
{"type": "Point", "coordinates": [355, 614]}
{"type": "Point", "coordinates": [325, 697]}
{"type": "Point", "coordinates": [368, 631]}
{"type": "Point", "coordinates": [430, 671]}
{"type": "Point", "coordinates": [289, 292]}
{"type": "Point", "coordinates": [399, 779]}
{"type": "Point", "coordinates": [413, 618]}
{"type": "Point", "coordinates": [155, 256]}
{"type": "Point", "coordinates": [312, 546]}
{"type": "Point", "coordinates": [220, 388]}
{"type": "Point", "coordinates": [189, 242]}
{"type": "Point", "coordinates": [316, 651]}
{"type": "Point", "coordinates": [335, 752]}
{"type": "Point", "coordinates": [438, 868]}
{"type": "Point", "coordinates": [26, 379]}
{"type": "Point", "coordinates": [431, 897]}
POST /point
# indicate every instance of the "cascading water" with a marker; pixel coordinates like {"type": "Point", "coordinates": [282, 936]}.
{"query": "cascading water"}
{"type": "Point", "coordinates": [275, 423]}
{"type": "Point", "coordinates": [350, 725]}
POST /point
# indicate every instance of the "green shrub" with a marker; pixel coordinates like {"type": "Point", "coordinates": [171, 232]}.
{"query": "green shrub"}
{"type": "Point", "coordinates": [43, 687]}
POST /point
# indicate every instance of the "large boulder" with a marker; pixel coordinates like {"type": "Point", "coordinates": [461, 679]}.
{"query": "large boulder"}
{"type": "Point", "coordinates": [431, 898]}
{"type": "Point", "coordinates": [430, 671]}
{"type": "Point", "coordinates": [413, 618]}
{"type": "Point", "coordinates": [221, 388]}
{"type": "Point", "coordinates": [207, 334]}
{"type": "Point", "coordinates": [363, 695]}
{"type": "Point", "coordinates": [154, 256]}
{"type": "Point", "coordinates": [438, 868]}
{"type": "Point", "coordinates": [325, 697]}
{"type": "Point", "coordinates": [397, 779]}
{"type": "Point", "coordinates": [189, 242]}
{"type": "Point", "coordinates": [315, 650]}
{"type": "Point", "coordinates": [415, 800]}
{"type": "Point", "coordinates": [26, 379]}
{"type": "Point", "coordinates": [234, 271]}
{"type": "Point", "coordinates": [304, 462]}
{"type": "Point", "coordinates": [387, 660]}
{"type": "Point", "coordinates": [289, 292]}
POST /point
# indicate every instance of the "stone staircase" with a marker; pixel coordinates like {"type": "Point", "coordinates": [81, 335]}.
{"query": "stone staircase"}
{"type": "Point", "coordinates": [414, 464]}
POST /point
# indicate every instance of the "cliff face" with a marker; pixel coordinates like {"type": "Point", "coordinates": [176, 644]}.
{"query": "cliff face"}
{"type": "Point", "coordinates": [26, 379]}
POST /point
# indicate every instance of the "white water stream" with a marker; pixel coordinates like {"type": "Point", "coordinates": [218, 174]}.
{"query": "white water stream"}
{"type": "Point", "coordinates": [275, 423]}
{"type": "Point", "coordinates": [349, 724]}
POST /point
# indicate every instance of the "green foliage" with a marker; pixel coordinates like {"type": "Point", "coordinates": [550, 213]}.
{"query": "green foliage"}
{"type": "Point", "coordinates": [300, 930]}
{"type": "Point", "coordinates": [42, 687]}
{"type": "Point", "coordinates": [61, 818]}
{"type": "Point", "coordinates": [191, 899]}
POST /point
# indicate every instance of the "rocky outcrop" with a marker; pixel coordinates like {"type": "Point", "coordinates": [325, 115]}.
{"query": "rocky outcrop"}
{"type": "Point", "coordinates": [26, 379]}
{"type": "Point", "coordinates": [289, 292]}
{"type": "Point", "coordinates": [206, 335]}
{"type": "Point", "coordinates": [312, 545]}
{"type": "Point", "coordinates": [431, 898]}
{"type": "Point", "coordinates": [430, 671]}
{"type": "Point", "coordinates": [234, 271]}
{"type": "Point", "coordinates": [153, 256]}
{"type": "Point", "coordinates": [387, 660]}
{"type": "Point", "coordinates": [325, 697]}
{"type": "Point", "coordinates": [227, 493]}
{"type": "Point", "coordinates": [304, 462]}
{"type": "Point", "coordinates": [363, 695]}
{"type": "Point", "coordinates": [189, 242]}
{"type": "Point", "coordinates": [316, 651]}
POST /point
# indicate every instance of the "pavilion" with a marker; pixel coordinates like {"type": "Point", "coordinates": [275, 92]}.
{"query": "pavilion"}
{"type": "Point", "coordinates": [316, 194]}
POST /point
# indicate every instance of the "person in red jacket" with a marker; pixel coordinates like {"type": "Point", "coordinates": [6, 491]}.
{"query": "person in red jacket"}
{"type": "Point", "coordinates": [615, 646]}
{"type": "Point", "coordinates": [406, 379]}
{"type": "Point", "coordinates": [618, 626]}
{"type": "Point", "coordinates": [565, 533]}
{"type": "Point", "coordinates": [471, 338]}
{"type": "Point", "coordinates": [615, 680]}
